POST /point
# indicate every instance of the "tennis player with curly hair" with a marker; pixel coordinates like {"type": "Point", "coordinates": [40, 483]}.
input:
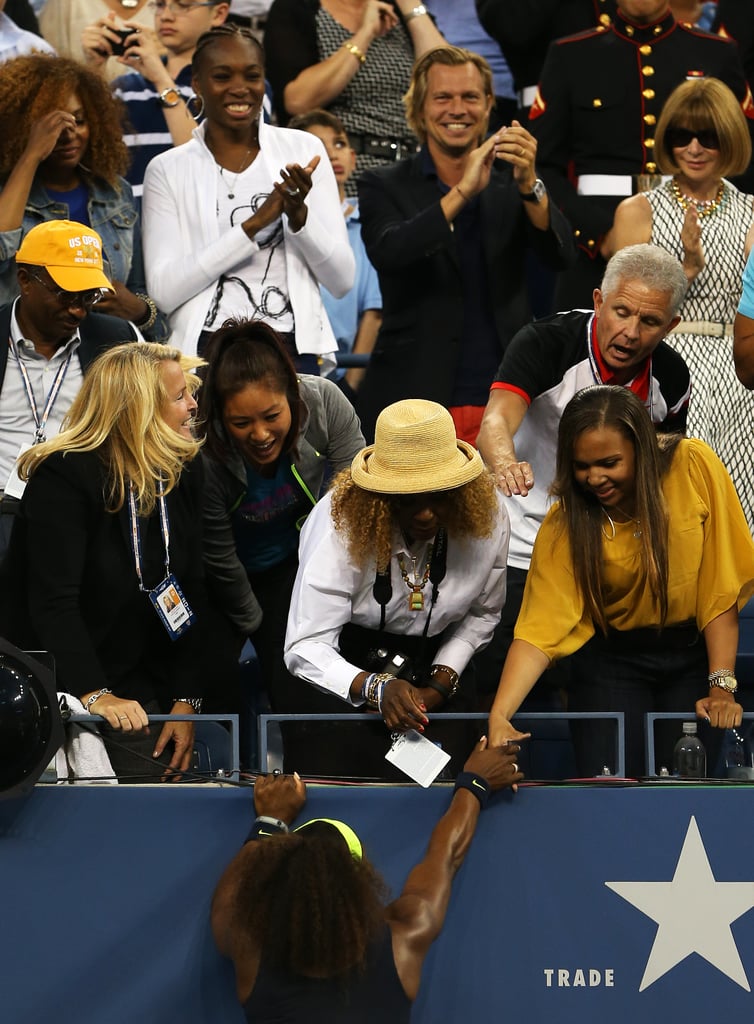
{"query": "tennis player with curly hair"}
{"type": "Point", "coordinates": [302, 914]}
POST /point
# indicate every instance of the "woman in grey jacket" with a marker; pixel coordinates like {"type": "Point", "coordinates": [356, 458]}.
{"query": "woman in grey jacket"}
{"type": "Point", "coordinates": [272, 438]}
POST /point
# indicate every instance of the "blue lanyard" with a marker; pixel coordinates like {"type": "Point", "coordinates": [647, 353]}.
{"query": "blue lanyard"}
{"type": "Point", "coordinates": [40, 424]}
{"type": "Point", "coordinates": [136, 533]}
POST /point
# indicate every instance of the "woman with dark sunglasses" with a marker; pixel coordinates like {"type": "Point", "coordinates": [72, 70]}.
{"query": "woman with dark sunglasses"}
{"type": "Point", "coordinates": [704, 221]}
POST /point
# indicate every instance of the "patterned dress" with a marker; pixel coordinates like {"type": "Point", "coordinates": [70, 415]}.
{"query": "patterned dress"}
{"type": "Point", "coordinates": [371, 103]}
{"type": "Point", "coordinates": [721, 410]}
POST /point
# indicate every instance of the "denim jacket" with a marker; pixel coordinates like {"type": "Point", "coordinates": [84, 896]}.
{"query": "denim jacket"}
{"type": "Point", "coordinates": [113, 215]}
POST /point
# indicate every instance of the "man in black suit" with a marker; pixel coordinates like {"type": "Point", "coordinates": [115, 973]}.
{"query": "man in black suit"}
{"type": "Point", "coordinates": [52, 335]}
{"type": "Point", "coordinates": [447, 231]}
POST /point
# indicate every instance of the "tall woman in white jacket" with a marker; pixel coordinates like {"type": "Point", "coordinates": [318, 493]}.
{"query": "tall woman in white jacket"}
{"type": "Point", "coordinates": [244, 220]}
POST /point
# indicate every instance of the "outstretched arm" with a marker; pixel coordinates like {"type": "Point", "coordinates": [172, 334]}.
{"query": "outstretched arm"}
{"type": "Point", "coordinates": [417, 916]}
{"type": "Point", "coordinates": [278, 797]}
{"type": "Point", "coordinates": [503, 416]}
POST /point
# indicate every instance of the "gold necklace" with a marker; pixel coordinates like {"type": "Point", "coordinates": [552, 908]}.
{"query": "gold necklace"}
{"type": "Point", "coordinates": [629, 519]}
{"type": "Point", "coordinates": [416, 597]}
{"type": "Point", "coordinates": [703, 207]}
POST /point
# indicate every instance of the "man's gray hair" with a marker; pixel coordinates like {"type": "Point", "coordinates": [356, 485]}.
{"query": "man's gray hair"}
{"type": "Point", "coordinates": [651, 265]}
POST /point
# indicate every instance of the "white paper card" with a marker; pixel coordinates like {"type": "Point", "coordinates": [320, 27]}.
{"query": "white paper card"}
{"type": "Point", "coordinates": [418, 757]}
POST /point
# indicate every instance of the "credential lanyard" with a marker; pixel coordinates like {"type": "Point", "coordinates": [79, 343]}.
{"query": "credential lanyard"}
{"type": "Point", "coordinates": [40, 423]}
{"type": "Point", "coordinates": [136, 533]}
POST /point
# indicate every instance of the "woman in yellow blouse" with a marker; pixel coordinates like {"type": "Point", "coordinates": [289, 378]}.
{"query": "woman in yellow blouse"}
{"type": "Point", "coordinates": [646, 553]}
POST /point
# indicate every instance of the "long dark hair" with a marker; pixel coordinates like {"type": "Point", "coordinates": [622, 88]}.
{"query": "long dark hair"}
{"type": "Point", "coordinates": [244, 352]}
{"type": "Point", "coordinates": [617, 408]}
{"type": "Point", "coordinates": [309, 906]}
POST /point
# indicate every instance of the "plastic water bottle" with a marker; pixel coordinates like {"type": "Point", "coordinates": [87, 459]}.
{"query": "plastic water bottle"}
{"type": "Point", "coordinates": [689, 755]}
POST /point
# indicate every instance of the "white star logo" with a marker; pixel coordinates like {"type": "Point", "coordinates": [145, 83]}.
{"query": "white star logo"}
{"type": "Point", "coordinates": [694, 913]}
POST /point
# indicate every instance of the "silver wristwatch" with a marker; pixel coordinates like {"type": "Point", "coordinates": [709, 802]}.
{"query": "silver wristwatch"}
{"type": "Point", "coordinates": [537, 193]}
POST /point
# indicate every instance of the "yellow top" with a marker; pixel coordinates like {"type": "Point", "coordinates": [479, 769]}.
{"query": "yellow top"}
{"type": "Point", "coordinates": [710, 562]}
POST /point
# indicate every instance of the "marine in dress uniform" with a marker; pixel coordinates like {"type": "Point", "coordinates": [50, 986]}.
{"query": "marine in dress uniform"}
{"type": "Point", "coordinates": [735, 20]}
{"type": "Point", "coordinates": [526, 28]}
{"type": "Point", "coordinates": [594, 118]}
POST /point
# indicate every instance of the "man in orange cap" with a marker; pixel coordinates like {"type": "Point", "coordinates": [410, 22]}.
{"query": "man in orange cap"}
{"type": "Point", "coordinates": [52, 335]}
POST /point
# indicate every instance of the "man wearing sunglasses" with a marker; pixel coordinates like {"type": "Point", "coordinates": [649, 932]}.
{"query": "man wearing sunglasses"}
{"type": "Point", "coordinates": [52, 336]}
{"type": "Point", "coordinates": [595, 115]}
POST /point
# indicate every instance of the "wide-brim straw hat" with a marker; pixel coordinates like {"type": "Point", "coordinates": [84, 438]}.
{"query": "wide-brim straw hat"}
{"type": "Point", "coordinates": [415, 450]}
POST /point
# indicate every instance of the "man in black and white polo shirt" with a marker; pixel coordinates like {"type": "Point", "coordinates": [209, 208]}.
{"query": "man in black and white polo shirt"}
{"type": "Point", "coordinates": [547, 362]}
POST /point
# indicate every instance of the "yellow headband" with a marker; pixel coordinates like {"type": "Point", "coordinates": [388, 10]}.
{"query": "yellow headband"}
{"type": "Point", "coordinates": [350, 838]}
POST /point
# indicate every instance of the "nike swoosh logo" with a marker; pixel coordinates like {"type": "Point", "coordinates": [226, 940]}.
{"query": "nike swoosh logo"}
{"type": "Point", "coordinates": [478, 785]}
{"type": "Point", "coordinates": [261, 832]}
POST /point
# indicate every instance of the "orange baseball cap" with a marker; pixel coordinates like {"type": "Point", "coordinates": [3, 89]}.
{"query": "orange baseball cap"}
{"type": "Point", "coordinates": [71, 253]}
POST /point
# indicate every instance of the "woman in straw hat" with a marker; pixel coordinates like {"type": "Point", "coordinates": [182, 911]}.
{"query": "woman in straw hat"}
{"type": "Point", "coordinates": [401, 581]}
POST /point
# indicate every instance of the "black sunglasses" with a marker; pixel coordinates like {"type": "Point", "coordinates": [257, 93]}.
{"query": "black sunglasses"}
{"type": "Point", "coordinates": [71, 300]}
{"type": "Point", "coordinates": [679, 138]}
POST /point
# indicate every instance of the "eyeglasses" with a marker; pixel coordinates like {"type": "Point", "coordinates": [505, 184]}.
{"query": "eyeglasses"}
{"type": "Point", "coordinates": [679, 138]}
{"type": "Point", "coordinates": [71, 300]}
{"type": "Point", "coordinates": [178, 7]}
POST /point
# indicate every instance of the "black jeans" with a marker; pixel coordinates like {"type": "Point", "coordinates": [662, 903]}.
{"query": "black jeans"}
{"type": "Point", "coordinates": [637, 671]}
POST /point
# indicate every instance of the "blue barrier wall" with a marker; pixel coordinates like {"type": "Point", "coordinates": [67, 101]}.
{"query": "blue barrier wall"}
{"type": "Point", "coordinates": [106, 894]}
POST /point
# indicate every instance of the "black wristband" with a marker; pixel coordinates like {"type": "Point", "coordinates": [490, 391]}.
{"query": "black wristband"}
{"type": "Point", "coordinates": [438, 688]}
{"type": "Point", "coordinates": [264, 826]}
{"type": "Point", "coordinates": [475, 784]}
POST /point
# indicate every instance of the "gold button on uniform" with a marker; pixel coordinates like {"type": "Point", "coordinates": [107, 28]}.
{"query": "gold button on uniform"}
{"type": "Point", "coordinates": [645, 50]}
{"type": "Point", "coordinates": [605, 20]}
{"type": "Point", "coordinates": [650, 119]}
{"type": "Point", "coordinates": [649, 143]}
{"type": "Point", "coordinates": [650, 167]}
{"type": "Point", "coordinates": [648, 71]}
{"type": "Point", "coordinates": [596, 102]}
{"type": "Point", "coordinates": [629, 30]}
{"type": "Point", "coordinates": [657, 29]}
{"type": "Point", "coordinates": [648, 94]}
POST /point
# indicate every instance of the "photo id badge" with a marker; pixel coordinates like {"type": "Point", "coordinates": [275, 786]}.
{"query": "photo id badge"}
{"type": "Point", "coordinates": [172, 607]}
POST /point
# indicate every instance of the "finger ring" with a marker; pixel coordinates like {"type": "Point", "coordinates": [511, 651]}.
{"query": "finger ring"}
{"type": "Point", "coordinates": [121, 717]}
{"type": "Point", "coordinates": [294, 192]}
{"type": "Point", "coordinates": [277, 771]}
{"type": "Point", "coordinates": [514, 766]}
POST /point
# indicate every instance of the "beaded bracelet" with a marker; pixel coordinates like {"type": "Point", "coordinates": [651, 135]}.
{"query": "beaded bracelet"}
{"type": "Point", "coordinates": [96, 696]}
{"type": "Point", "coordinates": [147, 321]}
{"type": "Point", "coordinates": [475, 784]}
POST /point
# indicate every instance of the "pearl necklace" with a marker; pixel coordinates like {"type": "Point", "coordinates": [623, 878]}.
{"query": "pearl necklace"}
{"type": "Point", "coordinates": [629, 519]}
{"type": "Point", "coordinates": [704, 207]}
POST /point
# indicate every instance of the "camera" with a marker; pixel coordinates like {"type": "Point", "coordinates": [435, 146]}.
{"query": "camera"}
{"type": "Point", "coordinates": [118, 49]}
{"type": "Point", "coordinates": [397, 664]}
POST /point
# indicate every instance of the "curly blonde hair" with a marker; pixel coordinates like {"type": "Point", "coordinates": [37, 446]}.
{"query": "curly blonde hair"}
{"type": "Point", "coordinates": [367, 520]}
{"type": "Point", "coordinates": [35, 85]}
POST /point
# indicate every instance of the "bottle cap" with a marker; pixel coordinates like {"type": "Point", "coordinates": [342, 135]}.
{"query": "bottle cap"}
{"type": "Point", "coordinates": [689, 728]}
